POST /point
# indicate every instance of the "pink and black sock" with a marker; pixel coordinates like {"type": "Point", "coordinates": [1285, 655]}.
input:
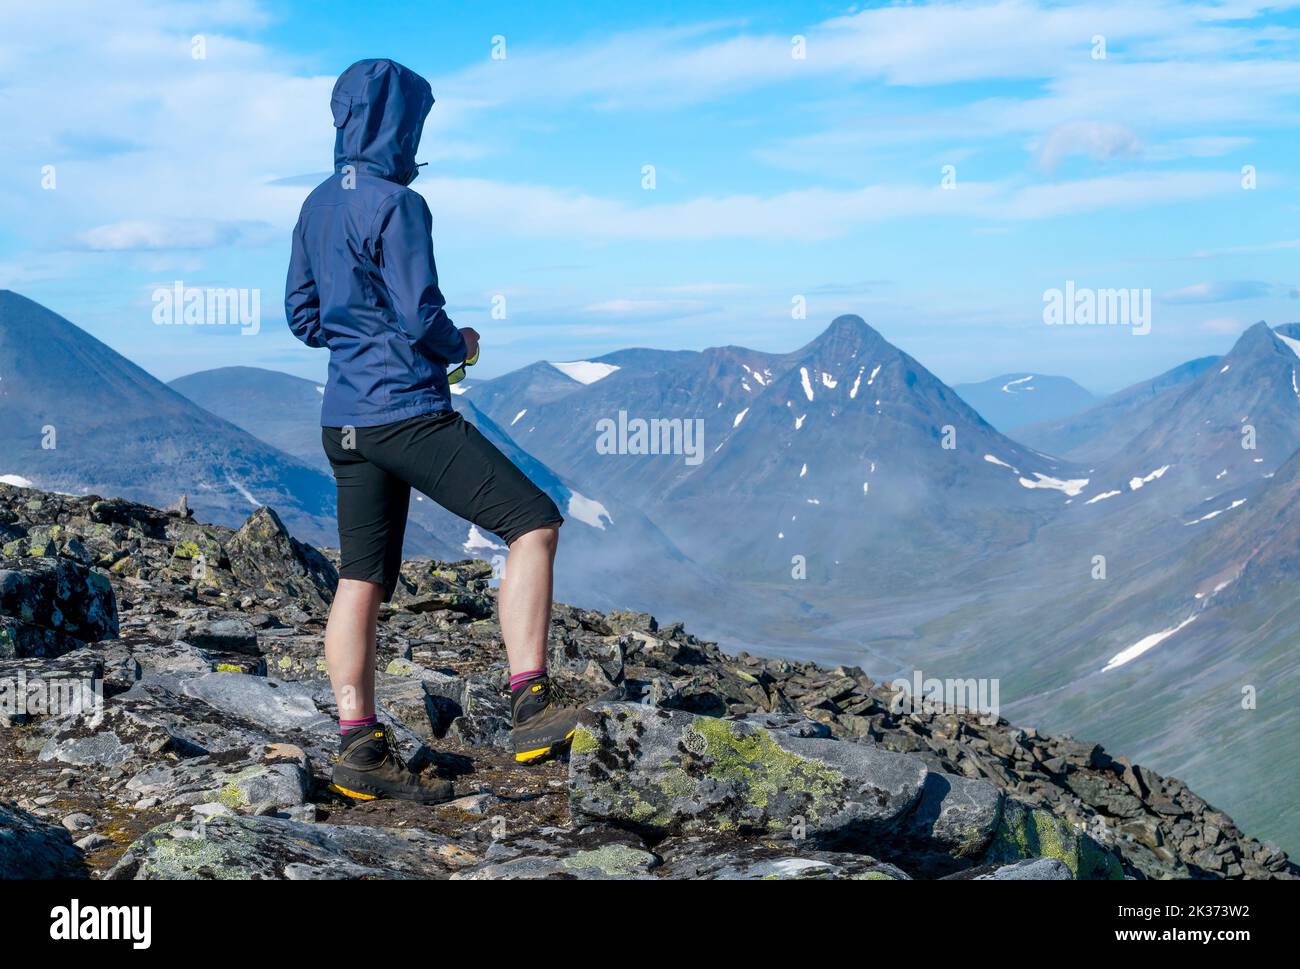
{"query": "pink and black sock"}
{"type": "Point", "coordinates": [347, 726]}
{"type": "Point", "coordinates": [523, 679]}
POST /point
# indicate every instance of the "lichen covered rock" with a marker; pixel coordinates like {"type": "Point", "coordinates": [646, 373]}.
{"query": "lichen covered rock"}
{"type": "Point", "coordinates": [671, 772]}
{"type": "Point", "coordinates": [563, 854]}
{"type": "Point", "coordinates": [264, 556]}
{"type": "Point", "coordinates": [247, 848]}
{"type": "Point", "coordinates": [1026, 832]}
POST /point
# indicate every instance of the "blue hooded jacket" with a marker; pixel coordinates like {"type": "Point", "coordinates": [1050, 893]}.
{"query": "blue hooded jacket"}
{"type": "Point", "coordinates": [362, 280]}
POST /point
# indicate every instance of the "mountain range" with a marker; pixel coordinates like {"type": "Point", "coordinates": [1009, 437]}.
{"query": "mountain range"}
{"type": "Point", "coordinates": [1120, 570]}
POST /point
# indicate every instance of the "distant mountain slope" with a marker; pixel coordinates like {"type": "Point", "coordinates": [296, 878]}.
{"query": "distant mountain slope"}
{"type": "Point", "coordinates": [1198, 642]}
{"type": "Point", "coordinates": [1236, 423]}
{"type": "Point", "coordinates": [285, 410]}
{"type": "Point", "coordinates": [117, 431]}
{"type": "Point", "coordinates": [1101, 430]}
{"type": "Point", "coordinates": [538, 383]}
{"type": "Point", "coordinates": [1014, 400]}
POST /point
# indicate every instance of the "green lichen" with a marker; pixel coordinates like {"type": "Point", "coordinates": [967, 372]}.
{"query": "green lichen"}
{"type": "Point", "coordinates": [613, 859]}
{"type": "Point", "coordinates": [971, 842]}
{"type": "Point", "coordinates": [877, 876]}
{"type": "Point", "coordinates": [229, 668]}
{"type": "Point", "coordinates": [231, 796]}
{"type": "Point", "coordinates": [1036, 833]}
{"type": "Point", "coordinates": [182, 857]}
{"type": "Point", "coordinates": [676, 783]}
{"type": "Point", "coordinates": [755, 761]}
{"type": "Point", "coordinates": [187, 550]}
{"type": "Point", "coordinates": [584, 742]}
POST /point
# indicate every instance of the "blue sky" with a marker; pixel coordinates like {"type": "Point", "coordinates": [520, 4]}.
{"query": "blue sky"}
{"type": "Point", "coordinates": [776, 176]}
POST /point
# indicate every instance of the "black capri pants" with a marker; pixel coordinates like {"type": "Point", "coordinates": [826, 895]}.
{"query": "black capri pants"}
{"type": "Point", "coordinates": [443, 456]}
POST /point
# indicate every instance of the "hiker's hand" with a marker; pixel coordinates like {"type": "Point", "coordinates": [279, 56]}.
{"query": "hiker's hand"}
{"type": "Point", "coordinates": [471, 341]}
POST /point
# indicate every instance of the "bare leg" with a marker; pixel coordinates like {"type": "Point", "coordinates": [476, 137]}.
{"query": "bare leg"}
{"type": "Point", "coordinates": [350, 647]}
{"type": "Point", "coordinates": [524, 599]}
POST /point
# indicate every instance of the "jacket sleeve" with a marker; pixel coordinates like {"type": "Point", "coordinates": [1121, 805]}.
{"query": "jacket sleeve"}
{"type": "Point", "coordinates": [404, 246]}
{"type": "Point", "coordinates": [301, 298]}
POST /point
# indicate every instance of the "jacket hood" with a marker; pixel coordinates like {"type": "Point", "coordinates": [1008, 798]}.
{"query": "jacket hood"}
{"type": "Point", "coordinates": [379, 108]}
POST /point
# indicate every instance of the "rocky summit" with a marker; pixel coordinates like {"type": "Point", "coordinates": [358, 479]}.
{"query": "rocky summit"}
{"type": "Point", "coordinates": [165, 715]}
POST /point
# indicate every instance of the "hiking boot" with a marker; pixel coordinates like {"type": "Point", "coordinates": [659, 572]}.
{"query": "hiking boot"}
{"type": "Point", "coordinates": [370, 768]}
{"type": "Point", "coordinates": [539, 725]}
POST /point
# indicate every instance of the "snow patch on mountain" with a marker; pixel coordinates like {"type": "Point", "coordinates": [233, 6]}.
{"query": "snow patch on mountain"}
{"type": "Point", "coordinates": [17, 480]}
{"type": "Point", "coordinates": [478, 541]}
{"type": "Point", "coordinates": [247, 495]}
{"type": "Point", "coordinates": [740, 417]}
{"type": "Point", "coordinates": [1071, 487]}
{"type": "Point", "coordinates": [589, 511]}
{"type": "Point", "coordinates": [1101, 497]}
{"type": "Point", "coordinates": [1292, 342]}
{"type": "Point", "coordinates": [1142, 645]}
{"type": "Point", "coordinates": [517, 416]}
{"type": "Point", "coordinates": [1135, 483]}
{"type": "Point", "coordinates": [807, 384]}
{"type": "Point", "coordinates": [585, 371]}
{"type": "Point", "coordinates": [1215, 591]}
{"type": "Point", "coordinates": [1215, 514]}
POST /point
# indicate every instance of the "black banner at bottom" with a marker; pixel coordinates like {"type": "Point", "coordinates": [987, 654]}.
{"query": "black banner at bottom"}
{"type": "Point", "coordinates": [139, 920]}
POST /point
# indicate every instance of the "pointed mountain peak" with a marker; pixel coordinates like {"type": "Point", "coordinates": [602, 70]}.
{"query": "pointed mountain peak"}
{"type": "Point", "coordinates": [850, 326]}
{"type": "Point", "coordinates": [1258, 340]}
{"type": "Point", "coordinates": [846, 333]}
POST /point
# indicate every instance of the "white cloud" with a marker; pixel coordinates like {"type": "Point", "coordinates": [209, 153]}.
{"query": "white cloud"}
{"type": "Point", "coordinates": [175, 234]}
{"type": "Point", "coordinates": [481, 206]}
{"type": "Point", "coordinates": [1100, 141]}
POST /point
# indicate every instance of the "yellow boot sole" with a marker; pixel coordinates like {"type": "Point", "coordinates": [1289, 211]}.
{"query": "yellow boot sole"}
{"type": "Point", "coordinates": [355, 795]}
{"type": "Point", "coordinates": [524, 756]}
